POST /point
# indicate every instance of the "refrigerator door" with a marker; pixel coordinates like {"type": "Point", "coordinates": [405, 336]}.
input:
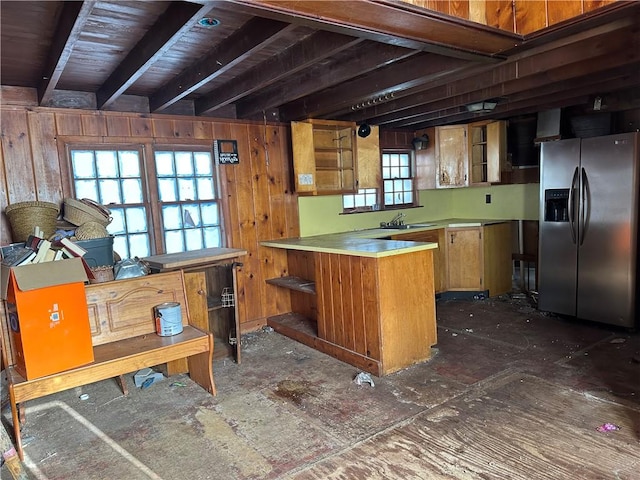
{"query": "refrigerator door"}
{"type": "Point", "coordinates": [558, 250]}
{"type": "Point", "coordinates": [607, 255]}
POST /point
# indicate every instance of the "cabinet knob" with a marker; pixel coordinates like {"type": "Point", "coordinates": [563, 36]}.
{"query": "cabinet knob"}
{"type": "Point", "coordinates": [201, 292]}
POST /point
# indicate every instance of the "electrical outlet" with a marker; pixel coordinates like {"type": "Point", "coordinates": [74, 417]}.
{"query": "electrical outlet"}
{"type": "Point", "coordinates": [487, 198]}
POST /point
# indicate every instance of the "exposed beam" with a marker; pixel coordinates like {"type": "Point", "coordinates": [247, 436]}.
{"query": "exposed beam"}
{"type": "Point", "coordinates": [253, 36]}
{"type": "Point", "coordinates": [399, 24]}
{"type": "Point", "coordinates": [367, 57]}
{"type": "Point", "coordinates": [177, 19]}
{"type": "Point", "coordinates": [294, 59]}
{"type": "Point", "coordinates": [539, 99]}
{"type": "Point", "coordinates": [73, 17]}
{"type": "Point", "coordinates": [616, 46]}
{"type": "Point", "coordinates": [413, 72]}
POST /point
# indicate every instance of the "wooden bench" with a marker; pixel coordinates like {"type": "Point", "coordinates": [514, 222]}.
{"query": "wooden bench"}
{"type": "Point", "coordinates": [124, 340]}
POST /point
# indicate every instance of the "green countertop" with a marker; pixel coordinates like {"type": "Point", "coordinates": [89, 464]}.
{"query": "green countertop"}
{"type": "Point", "coordinates": [372, 242]}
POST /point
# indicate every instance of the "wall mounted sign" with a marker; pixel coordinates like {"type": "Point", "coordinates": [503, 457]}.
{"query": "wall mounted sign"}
{"type": "Point", "coordinates": [226, 151]}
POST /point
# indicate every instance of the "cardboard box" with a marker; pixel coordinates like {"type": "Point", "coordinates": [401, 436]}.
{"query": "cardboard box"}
{"type": "Point", "coordinates": [47, 316]}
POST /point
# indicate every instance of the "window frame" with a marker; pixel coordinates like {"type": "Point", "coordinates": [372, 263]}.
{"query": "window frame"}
{"type": "Point", "coordinates": [151, 198]}
{"type": "Point", "coordinates": [412, 172]}
{"type": "Point", "coordinates": [218, 198]}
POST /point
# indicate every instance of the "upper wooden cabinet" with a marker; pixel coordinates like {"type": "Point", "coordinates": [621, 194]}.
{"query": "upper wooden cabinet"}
{"type": "Point", "coordinates": [452, 158]}
{"type": "Point", "coordinates": [470, 154]}
{"type": "Point", "coordinates": [329, 158]}
{"type": "Point", "coordinates": [487, 151]}
{"type": "Point", "coordinates": [324, 156]}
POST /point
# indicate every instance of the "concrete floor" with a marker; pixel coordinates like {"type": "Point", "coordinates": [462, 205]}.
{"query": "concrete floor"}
{"type": "Point", "coordinates": [509, 393]}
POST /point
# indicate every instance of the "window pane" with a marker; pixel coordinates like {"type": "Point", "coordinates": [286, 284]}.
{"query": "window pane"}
{"type": "Point", "coordinates": [121, 247]}
{"type": "Point", "coordinates": [359, 201]}
{"type": "Point", "coordinates": [404, 172]}
{"type": "Point", "coordinates": [193, 239]}
{"type": "Point", "coordinates": [132, 189]}
{"type": "Point", "coordinates": [117, 226]}
{"type": "Point", "coordinates": [164, 164]}
{"type": "Point", "coordinates": [388, 198]}
{"type": "Point", "coordinates": [186, 189]}
{"type": "Point", "coordinates": [212, 237]}
{"type": "Point", "coordinates": [348, 201]}
{"type": "Point", "coordinates": [87, 189]}
{"type": "Point", "coordinates": [404, 160]}
{"type": "Point", "coordinates": [129, 164]}
{"type": "Point", "coordinates": [82, 164]}
{"type": "Point", "coordinates": [173, 241]}
{"type": "Point", "coordinates": [167, 189]}
{"type": "Point", "coordinates": [408, 196]}
{"type": "Point", "coordinates": [107, 164]}
{"type": "Point", "coordinates": [210, 214]}
{"type": "Point", "coordinates": [205, 189]}
{"type": "Point", "coordinates": [171, 218]}
{"type": "Point", "coordinates": [190, 216]}
{"type": "Point", "coordinates": [109, 192]}
{"type": "Point", "coordinates": [184, 166]}
{"type": "Point", "coordinates": [203, 163]}
{"type": "Point", "coordinates": [139, 245]}
{"type": "Point", "coordinates": [136, 219]}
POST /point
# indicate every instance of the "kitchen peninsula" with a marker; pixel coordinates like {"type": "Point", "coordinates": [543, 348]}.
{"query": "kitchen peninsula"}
{"type": "Point", "coordinates": [367, 301]}
{"type": "Point", "coordinates": [367, 297]}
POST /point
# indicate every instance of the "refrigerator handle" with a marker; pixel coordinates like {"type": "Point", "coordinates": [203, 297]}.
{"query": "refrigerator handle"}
{"type": "Point", "coordinates": [585, 211]}
{"type": "Point", "coordinates": [572, 213]}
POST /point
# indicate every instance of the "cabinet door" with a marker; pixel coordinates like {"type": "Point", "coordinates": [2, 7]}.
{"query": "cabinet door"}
{"type": "Point", "coordinates": [465, 258]}
{"type": "Point", "coordinates": [304, 165]}
{"type": "Point", "coordinates": [452, 156]}
{"type": "Point", "coordinates": [368, 160]}
{"type": "Point", "coordinates": [496, 150]}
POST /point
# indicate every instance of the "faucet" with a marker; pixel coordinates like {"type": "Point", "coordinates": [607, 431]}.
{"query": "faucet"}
{"type": "Point", "coordinates": [395, 221]}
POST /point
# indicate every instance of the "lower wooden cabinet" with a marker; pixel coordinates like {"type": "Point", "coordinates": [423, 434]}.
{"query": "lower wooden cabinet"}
{"type": "Point", "coordinates": [469, 258]}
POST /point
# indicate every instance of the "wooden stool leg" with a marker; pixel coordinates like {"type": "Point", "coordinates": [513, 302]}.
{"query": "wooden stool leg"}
{"type": "Point", "coordinates": [123, 385]}
{"type": "Point", "coordinates": [18, 415]}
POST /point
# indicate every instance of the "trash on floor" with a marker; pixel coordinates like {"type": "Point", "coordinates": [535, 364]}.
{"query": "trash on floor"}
{"type": "Point", "coordinates": [146, 377]}
{"type": "Point", "coordinates": [608, 427]}
{"type": "Point", "coordinates": [363, 377]}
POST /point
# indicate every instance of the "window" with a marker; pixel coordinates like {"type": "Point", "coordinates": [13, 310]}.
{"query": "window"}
{"type": "Point", "coordinates": [188, 208]}
{"type": "Point", "coordinates": [397, 178]}
{"type": "Point", "coordinates": [366, 199]}
{"type": "Point", "coordinates": [113, 177]}
{"type": "Point", "coordinates": [188, 200]}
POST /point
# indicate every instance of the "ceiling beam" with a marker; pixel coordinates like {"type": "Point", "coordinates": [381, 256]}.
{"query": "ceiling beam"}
{"type": "Point", "coordinates": [365, 58]}
{"type": "Point", "coordinates": [178, 18]}
{"type": "Point", "coordinates": [417, 71]}
{"type": "Point", "coordinates": [292, 60]}
{"type": "Point", "coordinates": [397, 23]}
{"type": "Point", "coordinates": [252, 37]}
{"type": "Point", "coordinates": [540, 97]}
{"type": "Point", "coordinates": [73, 17]}
{"type": "Point", "coordinates": [611, 45]}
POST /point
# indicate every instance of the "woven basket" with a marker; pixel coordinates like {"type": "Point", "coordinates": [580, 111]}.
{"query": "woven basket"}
{"type": "Point", "coordinates": [91, 230]}
{"type": "Point", "coordinates": [101, 274]}
{"type": "Point", "coordinates": [82, 211]}
{"type": "Point", "coordinates": [25, 216]}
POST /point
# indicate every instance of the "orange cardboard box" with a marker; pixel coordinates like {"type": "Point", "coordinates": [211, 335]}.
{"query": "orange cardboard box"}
{"type": "Point", "coordinates": [48, 318]}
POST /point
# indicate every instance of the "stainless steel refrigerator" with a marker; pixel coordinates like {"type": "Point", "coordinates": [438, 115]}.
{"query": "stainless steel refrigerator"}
{"type": "Point", "coordinates": [588, 241]}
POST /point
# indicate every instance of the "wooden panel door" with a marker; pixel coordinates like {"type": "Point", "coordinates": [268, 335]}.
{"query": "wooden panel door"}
{"type": "Point", "coordinates": [368, 160]}
{"type": "Point", "coordinates": [304, 164]}
{"type": "Point", "coordinates": [452, 156]}
{"type": "Point", "coordinates": [465, 258]}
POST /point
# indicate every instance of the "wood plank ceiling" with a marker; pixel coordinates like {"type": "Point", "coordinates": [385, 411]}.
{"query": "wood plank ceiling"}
{"type": "Point", "coordinates": [384, 62]}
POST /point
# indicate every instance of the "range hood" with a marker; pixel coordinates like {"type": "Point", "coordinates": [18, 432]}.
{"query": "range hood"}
{"type": "Point", "coordinates": [548, 127]}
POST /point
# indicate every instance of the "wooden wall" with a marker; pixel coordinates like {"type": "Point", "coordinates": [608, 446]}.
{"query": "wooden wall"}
{"type": "Point", "coordinates": [258, 198]}
{"type": "Point", "coordinates": [517, 16]}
